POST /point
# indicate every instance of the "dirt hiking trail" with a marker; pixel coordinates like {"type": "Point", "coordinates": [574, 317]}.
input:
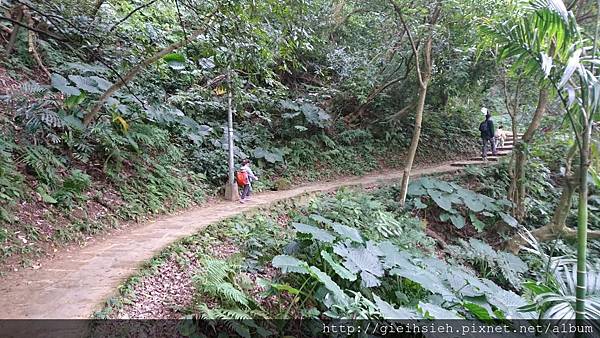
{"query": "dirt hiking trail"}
{"type": "Point", "coordinates": [76, 283]}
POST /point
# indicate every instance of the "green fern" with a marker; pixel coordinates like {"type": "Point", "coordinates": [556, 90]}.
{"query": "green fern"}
{"type": "Point", "coordinates": [215, 271]}
{"type": "Point", "coordinates": [43, 163]}
{"type": "Point", "coordinates": [228, 291]}
{"type": "Point", "coordinates": [218, 281]}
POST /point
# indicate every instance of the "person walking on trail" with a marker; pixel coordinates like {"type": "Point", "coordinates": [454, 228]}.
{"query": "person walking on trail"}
{"type": "Point", "coordinates": [487, 134]}
{"type": "Point", "coordinates": [500, 136]}
{"type": "Point", "coordinates": [246, 172]}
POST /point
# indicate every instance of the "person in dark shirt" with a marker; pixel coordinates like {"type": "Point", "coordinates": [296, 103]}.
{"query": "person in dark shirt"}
{"type": "Point", "coordinates": [487, 135]}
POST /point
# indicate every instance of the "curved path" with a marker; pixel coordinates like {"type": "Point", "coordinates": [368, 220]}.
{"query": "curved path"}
{"type": "Point", "coordinates": [76, 283]}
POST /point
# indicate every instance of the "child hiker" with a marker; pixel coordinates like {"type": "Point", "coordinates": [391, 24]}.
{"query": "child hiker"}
{"type": "Point", "coordinates": [245, 181]}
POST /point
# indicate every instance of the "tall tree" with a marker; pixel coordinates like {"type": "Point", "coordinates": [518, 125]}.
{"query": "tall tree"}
{"type": "Point", "coordinates": [423, 73]}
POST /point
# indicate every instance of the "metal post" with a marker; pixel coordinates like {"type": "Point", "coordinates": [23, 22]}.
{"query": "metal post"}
{"type": "Point", "coordinates": [231, 191]}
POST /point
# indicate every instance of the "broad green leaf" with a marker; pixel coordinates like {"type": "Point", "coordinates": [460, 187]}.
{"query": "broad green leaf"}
{"type": "Point", "coordinates": [388, 311]}
{"type": "Point", "coordinates": [316, 233]}
{"type": "Point", "coordinates": [477, 310]}
{"type": "Point", "coordinates": [537, 288]}
{"type": "Point", "coordinates": [72, 101]}
{"type": "Point", "coordinates": [347, 232]}
{"type": "Point", "coordinates": [477, 224]}
{"type": "Point", "coordinates": [175, 60]}
{"type": "Point", "coordinates": [507, 301]}
{"type": "Point", "coordinates": [46, 198]}
{"type": "Point", "coordinates": [289, 264]}
{"type": "Point", "coordinates": [443, 186]}
{"type": "Point", "coordinates": [426, 279]}
{"type": "Point", "coordinates": [62, 85]}
{"type": "Point", "coordinates": [465, 283]}
{"type": "Point", "coordinates": [441, 201]}
{"type": "Point", "coordinates": [361, 259]}
{"type": "Point", "coordinates": [436, 312]}
{"type": "Point", "coordinates": [416, 189]}
{"type": "Point", "coordinates": [339, 269]}
{"type": "Point", "coordinates": [482, 248]}
{"type": "Point", "coordinates": [508, 219]}
{"type": "Point", "coordinates": [367, 280]}
{"type": "Point", "coordinates": [512, 267]}
{"type": "Point", "coordinates": [285, 287]}
{"type": "Point", "coordinates": [458, 221]}
{"type": "Point", "coordinates": [102, 83]}
{"type": "Point", "coordinates": [473, 203]}
{"type": "Point", "coordinates": [392, 256]}
{"type": "Point", "coordinates": [418, 204]}
{"type": "Point", "coordinates": [330, 285]}
{"type": "Point", "coordinates": [174, 57]}
{"type": "Point", "coordinates": [85, 83]}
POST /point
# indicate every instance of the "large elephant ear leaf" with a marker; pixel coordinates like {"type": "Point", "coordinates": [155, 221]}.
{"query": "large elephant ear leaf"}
{"type": "Point", "coordinates": [433, 311]}
{"type": "Point", "coordinates": [338, 268]}
{"type": "Point", "coordinates": [508, 219]}
{"type": "Point", "coordinates": [416, 188]}
{"type": "Point", "coordinates": [62, 84]}
{"type": "Point", "coordinates": [347, 232]}
{"type": "Point", "coordinates": [368, 280]}
{"type": "Point", "coordinates": [388, 311]}
{"type": "Point", "coordinates": [85, 83]}
{"type": "Point", "coordinates": [290, 264]}
{"type": "Point", "coordinates": [330, 285]}
{"type": "Point", "coordinates": [316, 233]}
{"type": "Point", "coordinates": [440, 200]}
{"type": "Point", "coordinates": [458, 221]}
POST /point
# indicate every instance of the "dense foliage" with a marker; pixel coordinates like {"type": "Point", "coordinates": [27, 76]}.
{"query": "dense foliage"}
{"type": "Point", "coordinates": [116, 110]}
{"type": "Point", "coordinates": [298, 77]}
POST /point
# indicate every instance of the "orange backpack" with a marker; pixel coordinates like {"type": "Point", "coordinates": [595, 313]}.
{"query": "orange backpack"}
{"type": "Point", "coordinates": [241, 178]}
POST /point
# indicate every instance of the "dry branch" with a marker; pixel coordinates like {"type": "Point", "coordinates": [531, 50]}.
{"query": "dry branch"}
{"type": "Point", "coordinates": [31, 41]}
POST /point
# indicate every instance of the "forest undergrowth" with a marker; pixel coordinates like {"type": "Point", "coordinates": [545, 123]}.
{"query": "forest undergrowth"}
{"type": "Point", "coordinates": [356, 254]}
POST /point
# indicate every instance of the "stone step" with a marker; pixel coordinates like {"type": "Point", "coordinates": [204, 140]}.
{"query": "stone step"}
{"type": "Point", "coordinates": [490, 158]}
{"type": "Point", "coordinates": [467, 163]}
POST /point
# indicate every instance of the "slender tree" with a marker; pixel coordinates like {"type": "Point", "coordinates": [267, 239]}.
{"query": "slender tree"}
{"type": "Point", "coordinates": [423, 76]}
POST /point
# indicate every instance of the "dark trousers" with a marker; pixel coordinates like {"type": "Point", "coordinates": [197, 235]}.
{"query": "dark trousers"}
{"type": "Point", "coordinates": [245, 191]}
{"type": "Point", "coordinates": [484, 147]}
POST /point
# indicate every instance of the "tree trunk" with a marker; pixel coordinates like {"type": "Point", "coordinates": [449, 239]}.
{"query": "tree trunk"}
{"type": "Point", "coordinates": [557, 226]}
{"type": "Point", "coordinates": [423, 75]}
{"type": "Point", "coordinates": [91, 115]}
{"type": "Point", "coordinates": [15, 31]}
{"type": "Point", "coordinates": [517, 187]}
{"type": "Point", "coordinates": [414, 143]}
